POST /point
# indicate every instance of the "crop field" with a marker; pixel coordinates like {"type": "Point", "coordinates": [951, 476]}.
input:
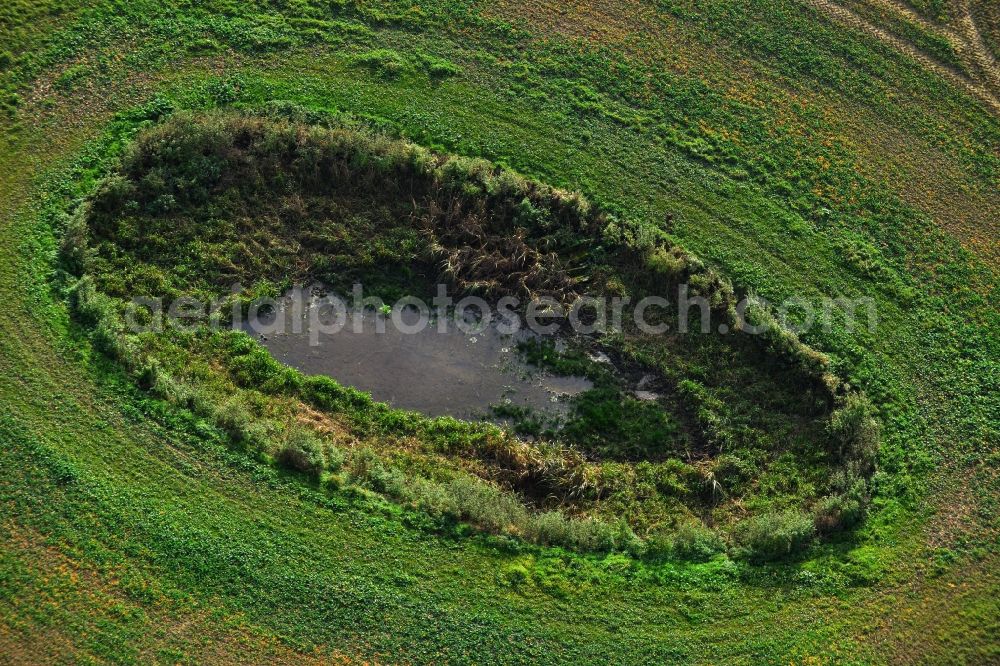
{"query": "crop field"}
{"type": "Point", "coordinates": [818, 492]}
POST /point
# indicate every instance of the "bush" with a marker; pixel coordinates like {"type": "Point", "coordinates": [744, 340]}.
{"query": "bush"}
{"type": "Point", "coordinates": [150, 375]}
{"type": "Point", "coordinates": [515, 575]}
{"type": "Point", "coordinates": [439, 68]}
{"type": "Point", "coordinates": [325, 393]}
{"type": "Point", "coordinates": [836, 513]}
{"type": "Point", "coordinates": [696, 543]}
{"type": "Point", "coordinates": [193, 398]}
{"type": "Point", "coordinates": [855, 430]}
{"type": "Point", "coordinates": [487, 506]}
{"type": "Point", "coordinates": [369, 471]}
{"type": "Point", "coordinates": [384, 62]}
{"type": "Point", "coordinates": [302, 452]}
{"type": "Point", "coordinates": [234, 419]}
{"type": "Point", "coordinates": [259, 370]}
{"type": "Point", "coordinates": [89, 305]}
{"type": "Point", "coordinates": [552, 528]}
{"type": "Point", "coordinates": [110, 340]}
{"type": "Point", "coordinates": [73, 248]}
{"type": "Point", "coordinates": [433, 499]}
{"type": "Point", "coordinates": [114, 194]}
{"type": "Point", "coordinates": [774, 536]}
{"type": "Point", "coordinates": [731, 470]}
{"type": "Point", "coordinates": [334, 457]}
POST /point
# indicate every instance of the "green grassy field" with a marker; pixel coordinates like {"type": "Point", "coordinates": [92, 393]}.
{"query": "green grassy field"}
{"type": "Point", "coordinates": [797, 156]}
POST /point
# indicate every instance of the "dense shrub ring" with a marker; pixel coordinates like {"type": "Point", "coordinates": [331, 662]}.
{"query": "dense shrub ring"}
{"type": "Point", "coordinates": [468, 180]}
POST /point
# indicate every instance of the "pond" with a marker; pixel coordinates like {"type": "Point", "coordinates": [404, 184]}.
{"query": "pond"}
{"type": "Point", "coordinates": [441, 370]}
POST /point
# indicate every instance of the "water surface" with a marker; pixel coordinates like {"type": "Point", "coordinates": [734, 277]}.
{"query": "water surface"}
{"type": "Point", "coordinates": [452, 373]}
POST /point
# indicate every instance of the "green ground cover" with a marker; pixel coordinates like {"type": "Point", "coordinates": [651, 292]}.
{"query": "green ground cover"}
{"type": "Point", "coordinates": [132, 534]}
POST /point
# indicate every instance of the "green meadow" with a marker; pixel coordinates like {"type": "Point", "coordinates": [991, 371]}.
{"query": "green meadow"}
{"type": "Point", "coordinates": [823, 498]}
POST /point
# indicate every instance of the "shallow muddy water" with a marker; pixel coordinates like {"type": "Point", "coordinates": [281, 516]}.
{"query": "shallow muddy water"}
{"type": "Point", "coordinates": [451, 373]}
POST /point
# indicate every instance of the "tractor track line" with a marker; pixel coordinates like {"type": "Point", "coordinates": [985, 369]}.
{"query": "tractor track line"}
{"type": "Point", "coordinates": [851, 19]}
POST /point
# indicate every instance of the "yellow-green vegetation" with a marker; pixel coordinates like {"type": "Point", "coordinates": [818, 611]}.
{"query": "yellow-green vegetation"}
{"type": "Point", "coordinates": [183, 498]}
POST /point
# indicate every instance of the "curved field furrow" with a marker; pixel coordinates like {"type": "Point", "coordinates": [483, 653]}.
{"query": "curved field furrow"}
{"type": "Point", "coordinates": [966, 37]}
{"type": "Point", "coordinates": [980, 51]}
{"type": "Point", "coordinates": [843, 15]}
